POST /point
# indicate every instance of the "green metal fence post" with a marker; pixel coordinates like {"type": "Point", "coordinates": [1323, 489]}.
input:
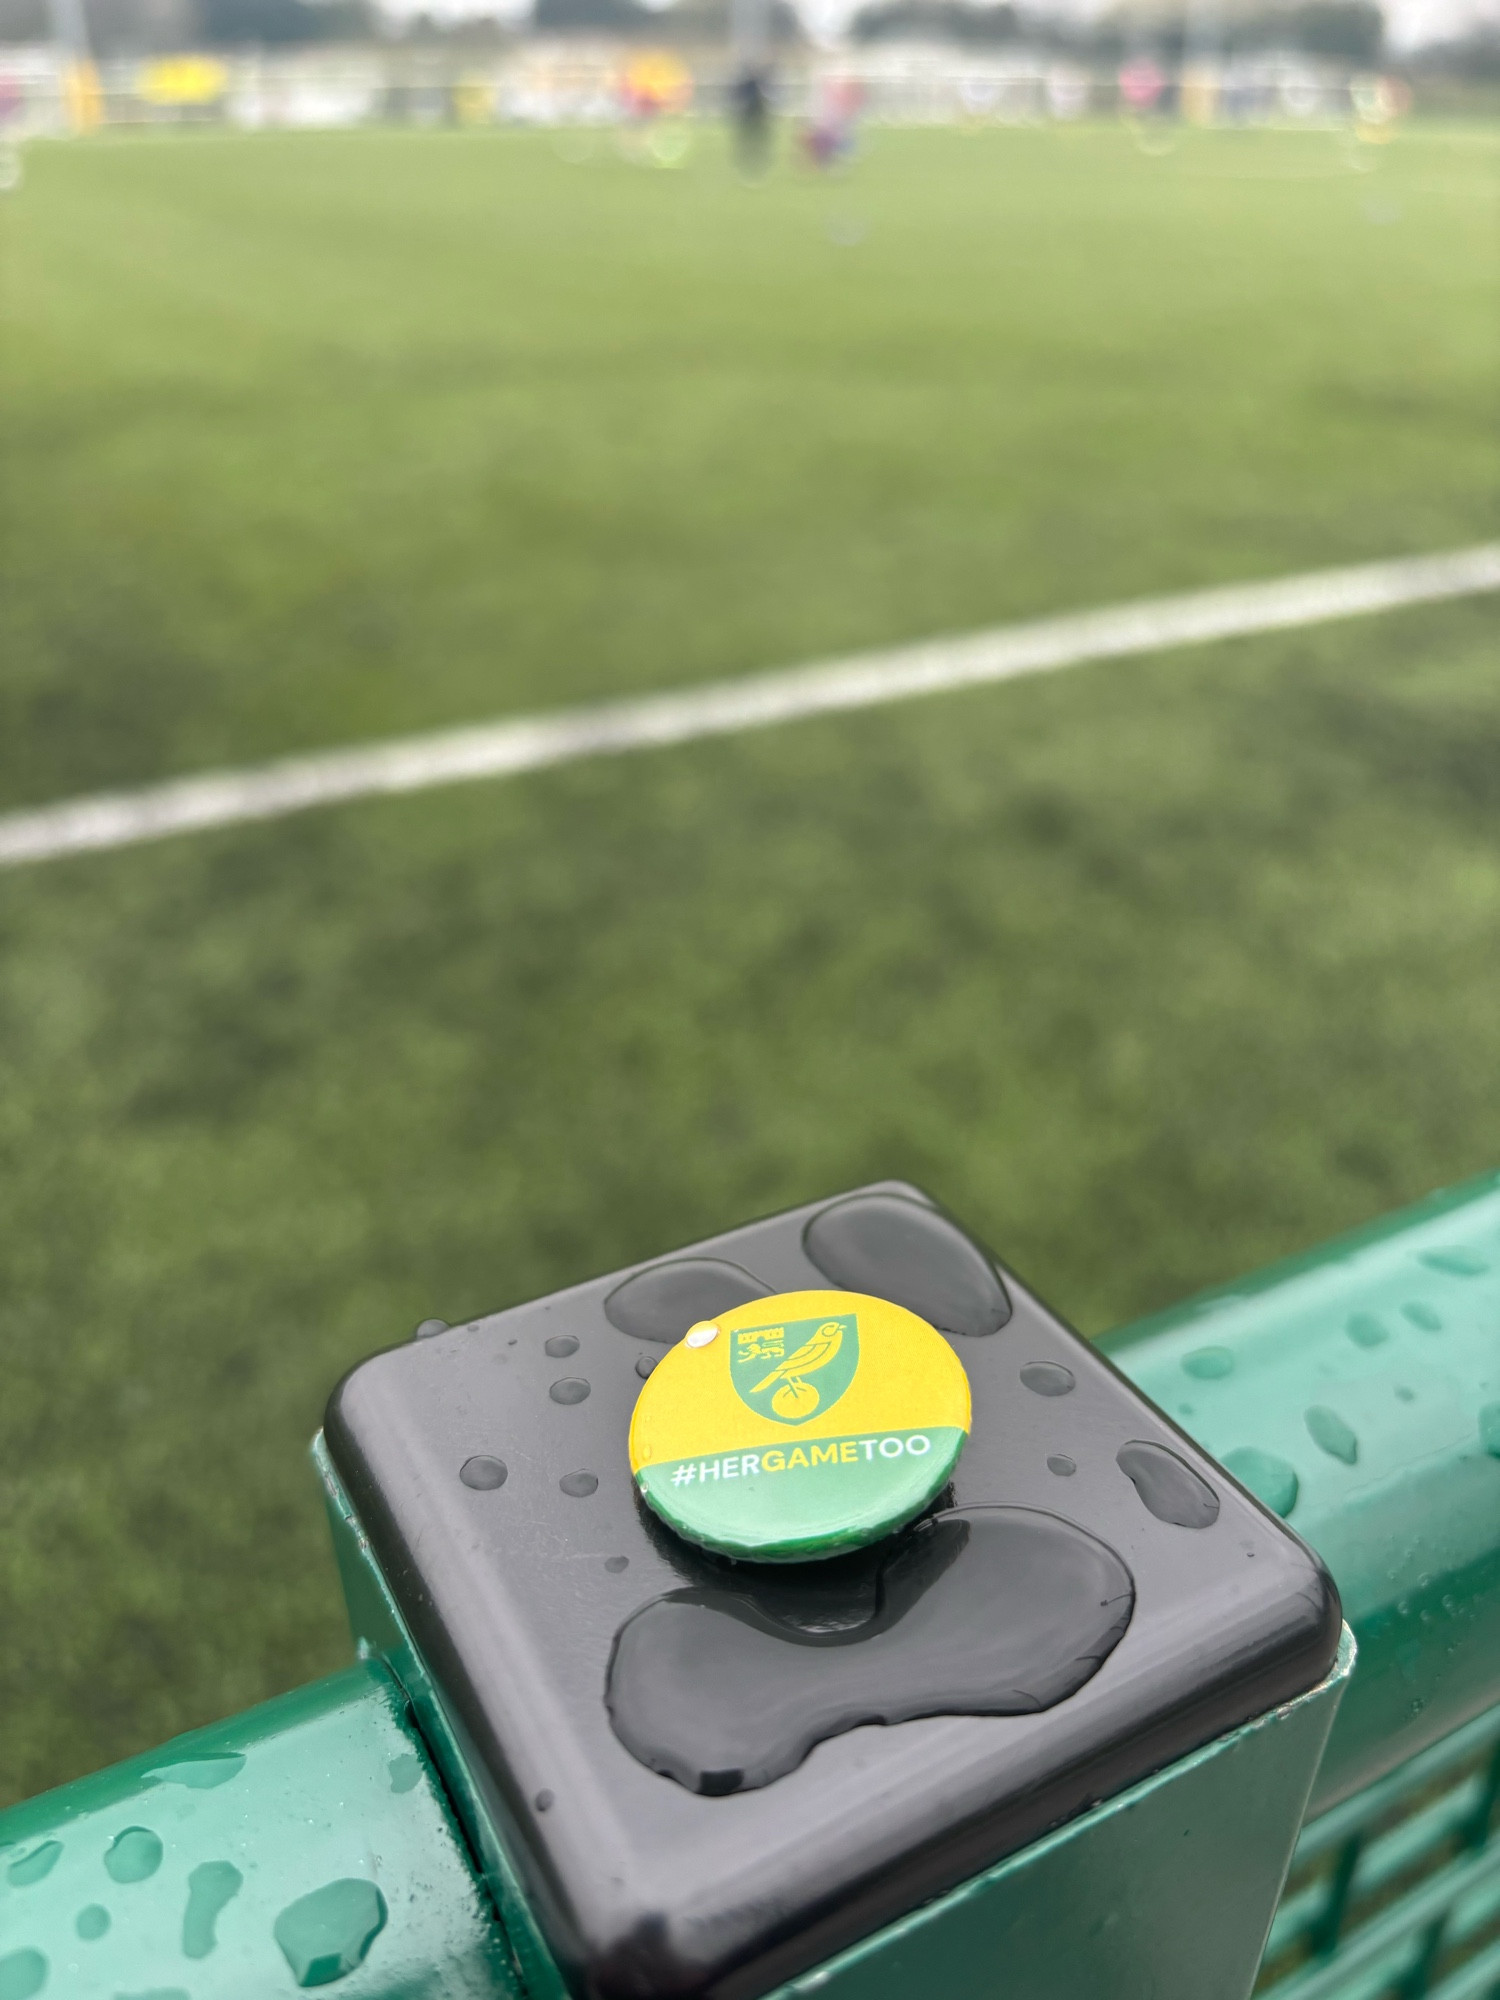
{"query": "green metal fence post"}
{"type": "Point", "coordinates": [1357, 1389]}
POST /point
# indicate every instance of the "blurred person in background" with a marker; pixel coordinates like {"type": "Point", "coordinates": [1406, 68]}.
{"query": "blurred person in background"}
{"type": "Point", "coordinates": [750, 116]}
{"type": "Point", "coordinates": [829, 137]}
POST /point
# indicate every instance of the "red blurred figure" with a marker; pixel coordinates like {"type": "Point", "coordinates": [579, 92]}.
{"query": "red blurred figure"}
{"type": "Point", "coordinates": [829, 136]}
{"type": "Point", "coordinates": [1142, 86]}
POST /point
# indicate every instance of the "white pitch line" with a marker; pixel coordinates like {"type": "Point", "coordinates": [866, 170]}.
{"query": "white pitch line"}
{"type": "Point", "coordinates": [861, 680]}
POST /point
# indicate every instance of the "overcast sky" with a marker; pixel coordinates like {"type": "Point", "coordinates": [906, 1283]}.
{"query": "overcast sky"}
{"type": "Point", "coordinates": [1414, 21]}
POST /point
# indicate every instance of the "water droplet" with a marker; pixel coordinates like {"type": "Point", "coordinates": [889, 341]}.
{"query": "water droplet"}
{"type": "Point", "coordinates": [1365, 1330]}
{"type": "Point", "coordinates": [700, 1336]}
{"type": "Point", "coordinates": [1062, 1465]}
{"type": "Point", "coordinates": [614, 1564]}
{"type": "Point", "coordinates": [579, 1485]}
{"type": "Point", "coordinates": [1460, 1263]}
{"type": "Point", "coordinates": [405, 1772]}
{"type": "Point", "coordinates": [1423, 1315]}
{"type": "Point", "coordinates": [1169, 1488]}
{"type": "Point", "coordinates": [134, 1855]}
{"type": "Point", "coordinates": [560, 1346]}
{"type": "Point", "coordinates": [660, 1303]}
{"type": "Point", "coordinates": [483, 1474]}
{"type": "Point", "coordinates": [1328, 1430]}
{"type": "Point", "coordinates": [902, 1250]}
{"type": "Point", "coordinates": [644, 1363]}
{"type": "Point", "coordinates": [326, 1935]}
{"type": "Point", "coordinates": [571, 1389]}
{"type": "Point", "coordinates": [22, 1973]}
{"type": "Point", "coordinates": [211, 1885]}
{"type": "Point", "coordinates": [35, 1864]}
{"type": "Point", "coordinates": [429, 1327]}
{"type": "Point", "coordinates": [1489, 1429]}
{"type": "Point", "coordinates": [199, 1774]}
{"type": "Point", "coordinates": [545, 1801]}
{"type": "Point", "coordinates": [986, 1611]}
{"type": "Point", "coordinates": [1209, 1364]}
{"type": "Point", "coordinates": [91, 1922]}
{"type": "Point", "coordinates": [1047, 1378]}
{"type": "Point", "coordinates": [1269, 1478]}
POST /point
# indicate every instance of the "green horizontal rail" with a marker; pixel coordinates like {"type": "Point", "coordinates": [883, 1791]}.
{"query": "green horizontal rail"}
{"type": "Point", "coordinates": [1357, 1390]}
{"type": "Point", "coordinates": [1393, 1906]}
{"type": "Point", "coordinates": [1392, 1946]}
{"type": "Point", "coordinates": [304, 1844]}
{"type": "Point", "coordinates": [1366, 1862]}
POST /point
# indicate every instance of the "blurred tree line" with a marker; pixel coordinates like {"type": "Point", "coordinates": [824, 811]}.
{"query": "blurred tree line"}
{"type": "Point", "coordinates": [1342, 31]}
{"type": "Point", "coordinates": [132, 27]}
{"type": "Point", "coordinates": [688, 20]}
{"type": "Point", "coordinates": [1347, 32]}
{"type": "Point", "coordinates": [137, 27]}
{"type": "Point", "coordinates": [1474, 57]}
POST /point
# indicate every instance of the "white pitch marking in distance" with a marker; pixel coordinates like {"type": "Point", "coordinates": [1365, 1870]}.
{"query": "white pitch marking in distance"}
{"type": "Point", "coordinates": [722, 708]}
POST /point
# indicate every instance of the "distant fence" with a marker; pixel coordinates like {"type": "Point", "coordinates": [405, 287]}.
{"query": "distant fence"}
{"type": "Point", "coordinates": [604, 84]}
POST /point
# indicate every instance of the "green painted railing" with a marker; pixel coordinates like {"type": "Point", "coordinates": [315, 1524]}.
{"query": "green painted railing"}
{"type": "Point", "coordinates": [310, 1843]}
{"type": "Point", "coordinates": [303, 1844]}
{"type": "Point", "coordinates": [1358, 1391]}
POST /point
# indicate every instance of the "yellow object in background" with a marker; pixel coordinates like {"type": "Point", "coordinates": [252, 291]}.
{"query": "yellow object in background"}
{"type": "Point", "coordinates": [1199, 94]}
{"type": "Point", "coordinates": [657, 83]}
{"type": "Point", "coordinates": [83, 100]}
{"type": "Point", "coordinates": [474, 100]}
{"type": "Point", "coordinates": [182, 81]}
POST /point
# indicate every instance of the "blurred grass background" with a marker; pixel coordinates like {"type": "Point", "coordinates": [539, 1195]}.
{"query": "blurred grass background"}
{"type": "Point", "coordinates": [1153, 971]}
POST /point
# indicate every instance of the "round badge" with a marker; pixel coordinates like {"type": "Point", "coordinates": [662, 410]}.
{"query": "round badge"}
{"type": "Point", "coordinates": [799, 1426]}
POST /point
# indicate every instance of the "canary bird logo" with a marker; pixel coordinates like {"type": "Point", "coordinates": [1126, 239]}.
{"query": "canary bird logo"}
{"type": "Point", "coordinates": [827, 1348]}
{"type": "Point", "coordinates": [796, 1397]}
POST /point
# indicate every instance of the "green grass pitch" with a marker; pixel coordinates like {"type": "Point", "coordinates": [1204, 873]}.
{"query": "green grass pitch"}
{"type": "Point", "coordinates": [1153, 970]}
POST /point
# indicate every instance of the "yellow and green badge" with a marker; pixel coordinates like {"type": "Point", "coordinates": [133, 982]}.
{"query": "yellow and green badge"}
{"type": "Point", "coordinates": [799, 1426]}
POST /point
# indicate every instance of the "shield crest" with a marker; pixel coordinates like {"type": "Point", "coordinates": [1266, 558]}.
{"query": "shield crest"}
{"type": "Point", "coordinates": [797, 1370]}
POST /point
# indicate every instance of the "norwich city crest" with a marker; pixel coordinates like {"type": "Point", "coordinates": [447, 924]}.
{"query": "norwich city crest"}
{"type": "Point", "coordinates": [795, 1371]}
